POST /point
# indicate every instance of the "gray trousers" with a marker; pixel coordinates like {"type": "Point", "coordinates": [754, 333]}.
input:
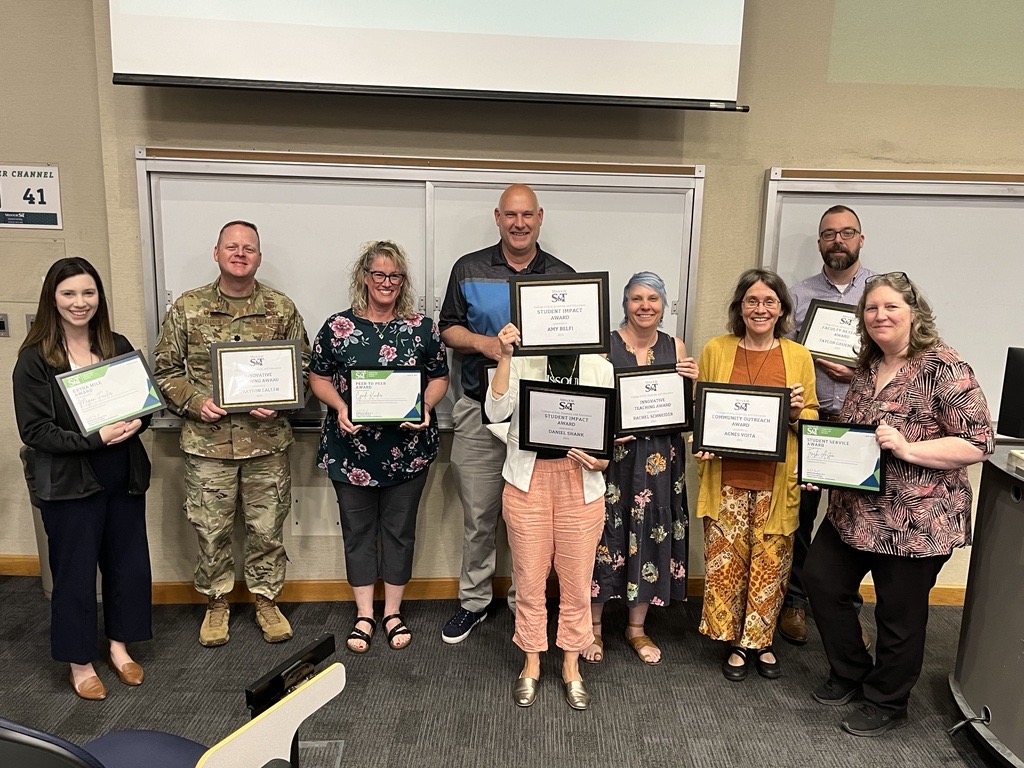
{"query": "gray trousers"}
{"type": "Point", "coordinates": [477, 458]}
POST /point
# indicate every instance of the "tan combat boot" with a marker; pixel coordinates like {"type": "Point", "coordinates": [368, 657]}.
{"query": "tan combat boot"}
{"type": "Point", "coordinates": [275, 626]}
{"type": "Point", "coordinates": [214, 630]}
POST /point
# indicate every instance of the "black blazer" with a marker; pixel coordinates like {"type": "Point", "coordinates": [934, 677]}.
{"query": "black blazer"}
{"type": "Point", "coordinates": [56, 462]}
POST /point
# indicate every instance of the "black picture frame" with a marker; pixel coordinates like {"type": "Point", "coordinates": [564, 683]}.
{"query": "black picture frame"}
{"type": "Point", "coordinates": [656, 373]}
{"type": "Point", "coordinates": [529, 388]}
{"type": "Point", "coordinates": [519, 285]}
{"type": "Point", "coordinates": [220, 349]}
{"type": "Point", "coordinates": [742, 393]}
{"type": "Point", "coordinates": [809, 323]}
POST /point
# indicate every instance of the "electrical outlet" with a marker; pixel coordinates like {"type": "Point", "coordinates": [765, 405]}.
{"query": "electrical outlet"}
{"type": "Point", "coordinates": [29, 319]}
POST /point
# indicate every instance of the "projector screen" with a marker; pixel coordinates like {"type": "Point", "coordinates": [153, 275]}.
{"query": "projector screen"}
{"type": "Point", "coordinates": [673, 53]}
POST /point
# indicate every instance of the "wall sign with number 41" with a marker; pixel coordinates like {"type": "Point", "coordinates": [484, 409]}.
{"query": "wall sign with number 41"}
{"type": "Point", "coordinates": [30, 197]}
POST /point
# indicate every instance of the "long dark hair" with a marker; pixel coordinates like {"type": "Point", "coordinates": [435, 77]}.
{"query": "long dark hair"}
{"type": "Point", "coordinates": [47, 332]}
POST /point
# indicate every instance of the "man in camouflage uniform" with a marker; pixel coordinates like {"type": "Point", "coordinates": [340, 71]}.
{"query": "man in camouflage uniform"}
{"type": "Point", "coordinates": [231, 457]}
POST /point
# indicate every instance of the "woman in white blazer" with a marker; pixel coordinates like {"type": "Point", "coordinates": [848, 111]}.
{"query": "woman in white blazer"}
{"type": "Point", "coordinates": [554, 510]}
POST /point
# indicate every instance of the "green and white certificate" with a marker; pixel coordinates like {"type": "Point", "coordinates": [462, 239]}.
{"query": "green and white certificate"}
{"type": "Point", "coordinates": [840, 456]}
{"type": "Point", "coordinates": [386, 395]}
{"type": "Point", "coordinates": [118, 389]}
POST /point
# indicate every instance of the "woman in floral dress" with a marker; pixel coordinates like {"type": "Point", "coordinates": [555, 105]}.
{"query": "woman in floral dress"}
{"type": "Point", "coordinates": [378, 471]}
{"type": "Point", "coordinates": [642, 555]}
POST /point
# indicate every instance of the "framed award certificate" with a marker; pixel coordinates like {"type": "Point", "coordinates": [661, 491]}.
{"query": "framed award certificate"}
{"type": "Point", "coordinates": [830, 331]}
{"type": "Point", "coordinates": [118, 389]}
{"type": "Point", "coordinates": [561, 314]}
{"type": "Point", "coordinates": [741, 421]}
{"type": "Point", "coordinates": [257, 374]}
{"type": "Point", "coordinates": [557, 417]}
{"type": "Point", "coordinates": [841, 456]}
{"type": "Point", "coordinates": [652, 400]}
{"type": "Point", "coordinates": [386, 395]}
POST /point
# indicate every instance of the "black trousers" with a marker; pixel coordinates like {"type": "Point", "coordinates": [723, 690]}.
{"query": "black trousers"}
{"type": "Point", "coordinates": [796, 594]}
{"type": "Point", "coordinates": [389, 512]}
{"type": "Point", "coordinates": [832, 574]}
{"type": "Point", "coordinates": [106, 529]}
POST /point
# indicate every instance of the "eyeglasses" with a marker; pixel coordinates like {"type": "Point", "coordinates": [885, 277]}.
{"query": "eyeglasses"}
{"type": "Point", "coordinates": [753, 303]}
{"type": "Point", "coordinates": [847, 233]}
{"type": "Point", "coordinates": [893, 276]}
{"type": "Point", "coordinates": [890, 275]}
{"type": "Point", "coordinates": [395, 278]}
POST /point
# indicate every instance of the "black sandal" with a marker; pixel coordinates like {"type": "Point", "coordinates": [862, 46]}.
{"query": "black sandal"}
{"type": "Point", "coordinates": [358, 634]}
{"type": "Point", "coordinates": [395, 631]}
{"type": "Point", "coordinates": [733, 673]}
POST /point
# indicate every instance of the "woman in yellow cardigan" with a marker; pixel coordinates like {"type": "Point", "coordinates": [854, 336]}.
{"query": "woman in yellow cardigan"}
{"type": "Point", "coordinates": [751, 507]}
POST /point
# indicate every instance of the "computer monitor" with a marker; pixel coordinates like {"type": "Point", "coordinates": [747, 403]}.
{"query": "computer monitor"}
{"type": "Point", "coordinates": [1011, 404]}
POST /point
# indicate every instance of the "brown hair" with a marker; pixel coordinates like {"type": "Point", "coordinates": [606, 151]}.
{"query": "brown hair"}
{"type": "Point", "coordinates": [923, 333]}
{"type": "Point", "coordinates": [47, 332]}
{"type": "Point", "coordinates": [239, 223]}
{"type": "Point", "coordinates": [839, 209]}
{"type": "Point", "coordinates": [405, 304]}
{"type": "Point", "coordinates": [783, 325]}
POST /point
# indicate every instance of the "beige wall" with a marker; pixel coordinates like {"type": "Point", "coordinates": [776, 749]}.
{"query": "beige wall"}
{"type": "Point", "coordinates": [60, 107]}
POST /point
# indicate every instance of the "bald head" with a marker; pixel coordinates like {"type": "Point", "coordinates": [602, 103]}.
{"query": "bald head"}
{"type": "Point", "coordinates": [519, 217]}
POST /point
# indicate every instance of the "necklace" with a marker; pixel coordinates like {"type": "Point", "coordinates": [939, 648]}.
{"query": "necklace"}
{"type": "Point", "coordinates": [558, 379]}
{"type": "Point", "coordinates": [74, 362]}
{"type": "Point", "coordinates": [380, 328]}
{"type": "Point", "coordinates": [746, 361]}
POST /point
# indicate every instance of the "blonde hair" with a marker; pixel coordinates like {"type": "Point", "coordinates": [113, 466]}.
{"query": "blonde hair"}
{"type": "Point", "coordinates": [405, 305]}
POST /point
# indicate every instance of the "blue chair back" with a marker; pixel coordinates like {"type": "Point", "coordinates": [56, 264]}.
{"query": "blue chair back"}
{"type": "Point", "coordinates": [26, 747]}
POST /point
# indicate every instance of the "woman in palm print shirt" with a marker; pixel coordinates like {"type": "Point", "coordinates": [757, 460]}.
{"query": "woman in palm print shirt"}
{"type": "Point", "coordinates": [932, 418]}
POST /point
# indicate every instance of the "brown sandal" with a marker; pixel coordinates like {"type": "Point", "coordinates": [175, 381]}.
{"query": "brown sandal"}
{"type": "Point", "coordinates": [639, 643]}
{"type": "Point", "coordinates": [599, 656]}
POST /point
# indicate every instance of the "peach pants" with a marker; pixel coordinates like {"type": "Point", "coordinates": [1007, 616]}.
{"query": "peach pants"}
{"type": "Point", "coordinates": [549, 524]}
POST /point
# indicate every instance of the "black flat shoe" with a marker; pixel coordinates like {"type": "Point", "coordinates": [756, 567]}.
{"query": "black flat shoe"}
{"type": "Point", "coordinates": [769, 669]}
{"type": "Point", "coordinates": [733, 673]}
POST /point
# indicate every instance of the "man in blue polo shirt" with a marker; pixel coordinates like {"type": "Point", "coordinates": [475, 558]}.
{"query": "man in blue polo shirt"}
{"type": "Point", "coordinates": [476, 307]}
{"type": "Point", "coordinates": [841, 280]}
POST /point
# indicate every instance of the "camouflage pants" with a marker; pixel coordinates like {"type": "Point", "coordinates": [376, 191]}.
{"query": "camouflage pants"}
{"type": "Point", "coordinates": [214, 488]}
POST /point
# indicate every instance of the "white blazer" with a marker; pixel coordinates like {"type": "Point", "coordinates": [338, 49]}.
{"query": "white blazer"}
{"type": "Point", "coordinates": [595, 371]}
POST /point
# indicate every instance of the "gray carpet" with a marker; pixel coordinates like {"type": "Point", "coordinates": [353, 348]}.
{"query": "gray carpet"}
{"type": "Point", "coordinates": [439, 705]}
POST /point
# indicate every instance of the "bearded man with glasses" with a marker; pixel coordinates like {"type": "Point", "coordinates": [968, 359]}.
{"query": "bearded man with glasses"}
{"type": "Point", "coordinates": [840, 280]}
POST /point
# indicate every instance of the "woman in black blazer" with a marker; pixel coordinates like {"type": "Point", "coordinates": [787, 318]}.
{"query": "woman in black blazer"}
{"type": "Point", "coordinates": [90, 490]}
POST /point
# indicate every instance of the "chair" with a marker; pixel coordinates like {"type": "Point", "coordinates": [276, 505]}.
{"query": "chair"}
{"type": "Point", "coordinates": [263, 742]}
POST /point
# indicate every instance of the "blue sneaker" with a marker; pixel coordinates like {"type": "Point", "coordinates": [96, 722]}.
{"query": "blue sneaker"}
{"type": "Point", "coordinates": [461, 624]}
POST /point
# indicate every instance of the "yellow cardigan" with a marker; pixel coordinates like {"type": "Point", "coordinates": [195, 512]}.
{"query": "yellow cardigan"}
{"type": "Point", "coordinates": [716, 362]}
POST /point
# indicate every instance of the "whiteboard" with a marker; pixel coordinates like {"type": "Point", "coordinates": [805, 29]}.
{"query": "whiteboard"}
{"type": "Point", "coordinates": [953, 234]}
{"type": "Point", "coordinates": [313, 216]}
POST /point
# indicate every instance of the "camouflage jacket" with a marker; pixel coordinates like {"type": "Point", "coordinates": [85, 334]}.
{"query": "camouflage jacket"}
{"type": "Point", "coordinates": [182, 367]}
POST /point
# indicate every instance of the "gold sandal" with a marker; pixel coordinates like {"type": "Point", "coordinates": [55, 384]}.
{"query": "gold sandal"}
{"type": "Point", "coordinates": [639, 643]}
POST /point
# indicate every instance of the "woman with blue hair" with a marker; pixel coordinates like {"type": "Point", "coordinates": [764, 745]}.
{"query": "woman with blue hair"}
{"type": "Point", "coordinates": [642, 555]}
